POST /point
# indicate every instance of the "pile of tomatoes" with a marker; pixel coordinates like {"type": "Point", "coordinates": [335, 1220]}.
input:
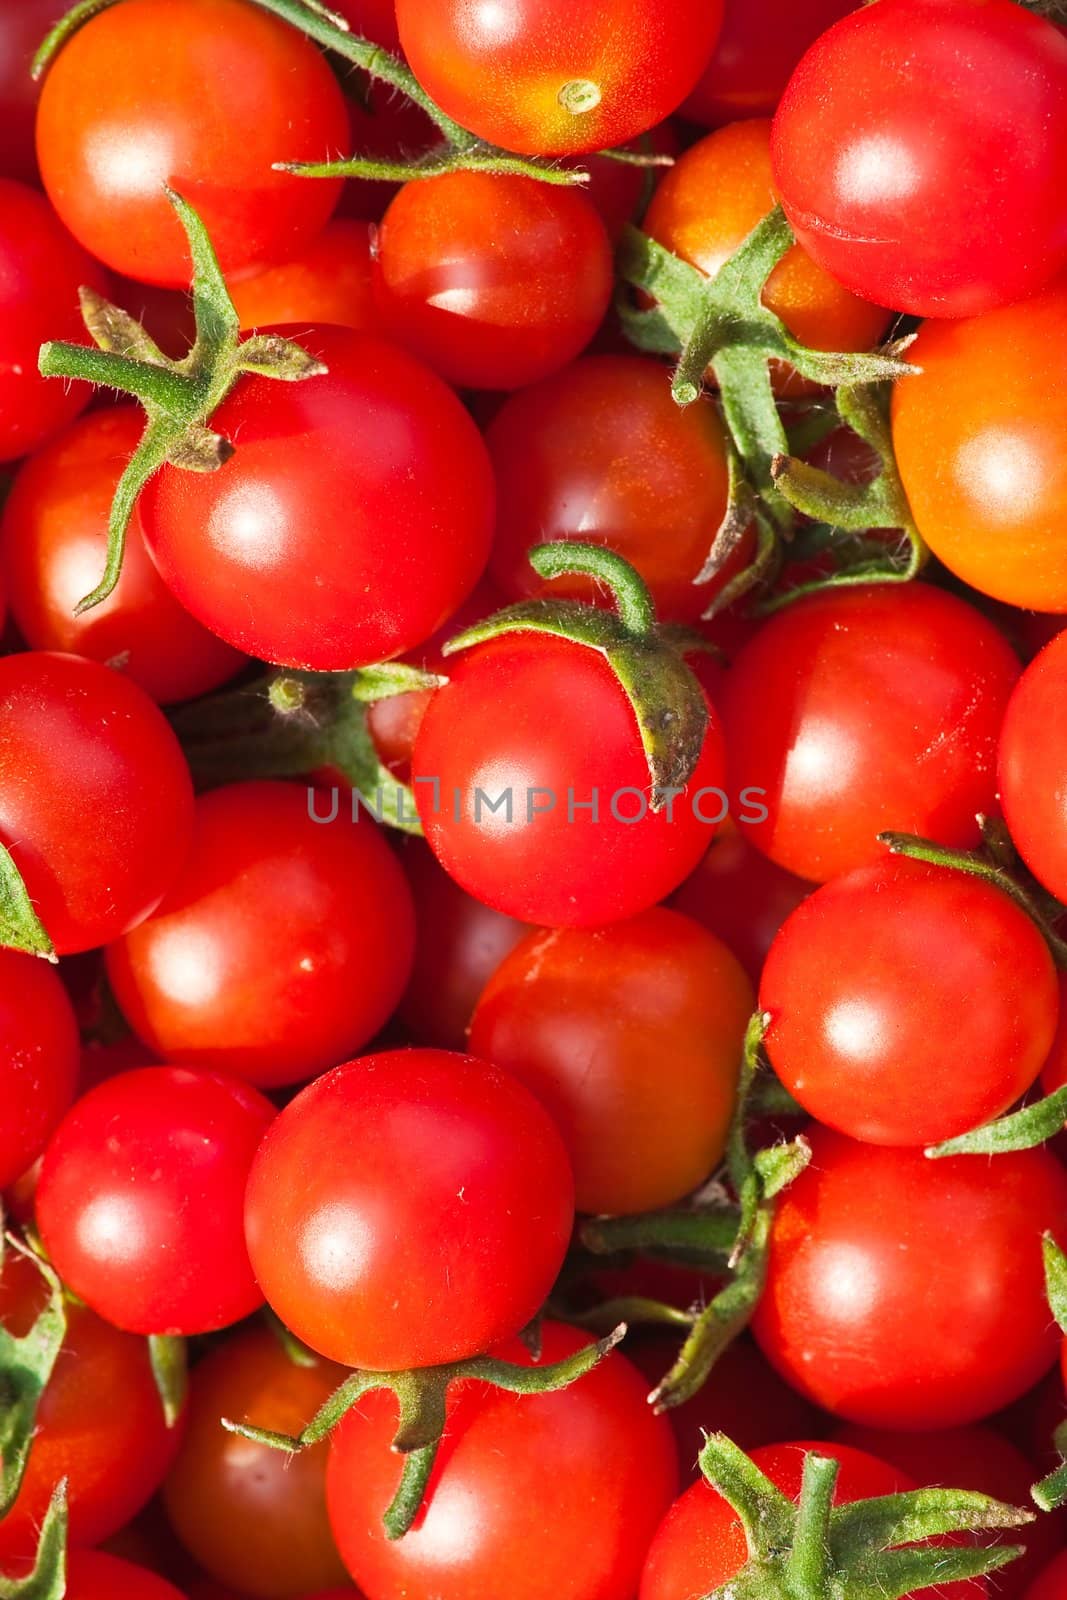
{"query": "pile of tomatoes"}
{"type": "Point", "coordinates": [501, 856]}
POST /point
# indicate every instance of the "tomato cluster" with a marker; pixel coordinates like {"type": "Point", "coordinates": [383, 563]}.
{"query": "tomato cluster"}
{"type": "Point", "coordinates": [533, 799]}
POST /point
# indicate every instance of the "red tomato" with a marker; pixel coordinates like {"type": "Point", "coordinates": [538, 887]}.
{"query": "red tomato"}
{"type": "Point", "coordinates": [887, 1025]}
{"type": "Point", "coordinates": [330, 281]}
{"type": "Point", "coordinates": [631, 1037]}
{"type": "Point", "coordinates": [54, 533]}
{"type": "Point", "coordinates": [493, 281]}
{"type": "Point", "coordinates": [1054, 1071]}
{"type": "Point", "coordinates": [23, 26]}
{"type": "Point", "coordinates": [1051, 1584]}
{"type": "Point", "coordinates": [864, 709]}
{"type": "Point", "coordinates": [545, 78]}
{"type": "Point", "coordinates": [601, 453]}
{"type": "Point", "coordinates": [41, 271]}
{"type": "Point", "coordinates": [92, 1575]}
{"type": "Point", "coordinates": [139, 1200]}
{"type": "Point", "coordinates": [206, 95]}
{"type": "Point", "coordinates": [370, 480]}
{"type": "Point", "coordinates": [253, 1516]}
{"type": "Point", "coordinates": [346, 1254]}
{"type": "Point", "coordinates": [920, 150]}
{"type": "Point", "coordinates": [542, 719]}
{"type": "Point", "coordinates": [707, 204]}
{"type": "Point", "coordinates": [99, 1423]}
{"type": "Point", "coordinates": [96, 803]}
{"type": "Point", "coordinates": [759, 46]}
{"type": "Point", "coordinates": [591, 1465]}
{"type": "Point", "coordinates": [218, 979]}
{"type": "Point", "coordinates": [1033, 766]}
{"type": "Point", "coordinates": [38, 1059]}
{"type": "Point", "coordinates": [868, 1314]}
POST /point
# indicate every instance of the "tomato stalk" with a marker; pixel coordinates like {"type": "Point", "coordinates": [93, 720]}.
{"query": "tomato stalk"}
{"type": "Point", "coordinates": [170, 1373]}
{"type": "Point", "coordinates": [48, 1579]}
{"type": "Point", "coordinates": [26, 1365]}
{"type": "Point", "coordinates": [422, 1397]}
{"type": "Point", "coordinates": [1051, 1492]}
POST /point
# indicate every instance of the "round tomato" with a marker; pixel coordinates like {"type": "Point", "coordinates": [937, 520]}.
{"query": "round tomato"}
{"type": "Point", "coordinates": [1033, 766]}
{"type": "Point", "coordinates": [140, 1195]}
{"type": "Point", "coordinates": [368, 480]}
{"type": "Point", "coordinates": [96, 802]}
{"type": "Point", "coordinates": [1054, 1071]}
{"type": "Point", "coordinates": [868, 1314]}
{"type": "Point", "coordinates": [94, 1575]}
{"type": "Point", "coordinates": [253, 1516]}
{"type": "Point", "coordinates": [590, 1465]}
{"type": "Point", "coordinates": [980, 435]}
{"type": "Point", "coordinates": [409, 1209]}
{"type": "Point", "coordinates": [758, 48]}
{"type": "Point", "coordinates": [541, 726]}
{"type": "Point", "coordinates": [41, 271]}
{"type": "Point", "coordinates": [54, 545]}
{"type": "Point", "coordinates": [329, 281]}
{"type": "Point", "coordinates": [205, 95]}
{"type": "Point", "coordinates": [631, 1037]}
{"type": "Point", "coordinates": [708, 204]}
{"type": "Point", "coordinates": [888, 1025]}
{"type": "Point", "coordinates": [99, 1423]}
{"type": "Point", "coordinates": [283, 945]}
{"type": "Point", "coordinates": [38, 1059]}
{"type": "Point", "coordinates": [601, 453]}
{"type": "Point", "coordinates": [864, 709]}
{"type": "Point", "coordinates": [493, 281]}
{"type": "Point", "coordinates": [920, 151]}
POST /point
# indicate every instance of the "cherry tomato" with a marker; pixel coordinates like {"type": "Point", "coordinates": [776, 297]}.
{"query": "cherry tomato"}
{"type": "Point", "coordinates": [1051, 1584]}
{"type": "Point", "coordinates": [493, 281]}
{"type": "Point", "coordinates": [631, 1037]}
{"type": "Point", "coordinates": [99, 1423]}
{"type": "Point", "coordinates": [920, 150]}
{"type": "Point", "coordinates": [545, 78]}
{"type": "Point", "coordinates": [23, 26]}
{"type": "Point", "coordinates": [96, 801]}
{"type": "Point", "coordinates": [1054, 1071]}
{"type": "Point", "coordinates": [218, 979]}
{"type": "Point", "coordinates": [369, 480]}
{"type": "Point", "coordinates": [139, 1200]}
{"type": "Point", "coordinates": [869, 1315]}
{"type": "Point", "coordinates": [707, 204]}
{"type": "Point", "coordinates": [203, 94]}
{"type": "Point", "coordinates": [38, 1059]}
{"type": "Point", "coordinates": [1033, 766]}
{"type": "Point", "coordinates": [980, 436]}
{"type": "Point", "coordinates": [887, 1025]}
{"type": "Point", "coordinates": [94, 1575]}
{"type": "Point", "coordinates": [330, 281]}
{"type": "Point", "coordinates": [542, 719]}
{"type": "Point", "coordinates": [41, 271]}
{"type": "Point", "coordinates": [380, 1273]}
{"type": "Point", "coordinates": [758, 48]}
{"type": "Point", "coordinates": [54, 545]}
{"type": "Point", "coordinates": [253, 1516]}
{"type": "Point", "coordinates": [591, 1465]}
{"type": "Point", "coordinates": [864, 709]}
{"type": "Point", "coordinates": [601, 453]}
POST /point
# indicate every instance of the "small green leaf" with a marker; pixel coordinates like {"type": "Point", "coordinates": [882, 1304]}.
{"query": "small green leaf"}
{"type": "Point", "coordinates": [371, 684]}
{"type": "Point", "coordinates": [1055, 1280]}
{"type": "Point", "coordinates": [766, 1514]}
{"type": "Point", "coordinates": [167, 1357]}
{"type": "Point", "coordinates": [26, 1365]}
{"type": "Point", "coordinates": [20, 926]}
{"type": "Point", "coordinates": [48, 1580]}
{"type": "Point", "coordinates": [1022, 1130]}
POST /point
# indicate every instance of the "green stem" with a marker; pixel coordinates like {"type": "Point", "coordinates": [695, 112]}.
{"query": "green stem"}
{"type": "Point", "coordinates": [20, 926]}
{"type": "Point", "coordinates": [146, 381]}
{"type": "Point", "coordinates": [808, 1563]}
{"type": "Point", "coordinates": [167, 1355]}
{"type": "Point", "coordinates": [48, 1579]}
{"type": "Point", "coordinates": [705, 1232]}
{"type": "Point", "coordinates": [565, 559]}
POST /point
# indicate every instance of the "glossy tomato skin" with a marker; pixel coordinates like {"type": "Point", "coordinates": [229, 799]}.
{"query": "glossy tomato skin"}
{"type": "Point", "coordinates": [370, 479]}
{"type": "Point", "coordinates": [707, 204]}
{"type": "Point", "coordinates": [39, 1061]}
{"type": "Point", "coordinates": [546, 718]}
{"type": "Point", "coordinates": [758, 48]}
{"type": "Point", "coordinates": [505, 75]}
{"type": "Point", "coordinates": [867, 1314]}
{"type": "Point", "coordinates": [863, 972]}
{"type": "Point", "coordinates": [600, 452]}
{"type": "Point", "coordinates": [980, 435]}
{"type": "Point", "coordinates": [510, 1468]}
{"type": "Point", "coordinates": [493, 281]}
{"type": "Point", "coordinates": [889, 154]}
{"type": "Point", "coordinates": [99, 1423]}
{"type": "Point", "coordinates": [1033, 766]}
{"type": "Point", "coordinates": [95, 1575]}
{"type": "Point", "coordinates": [53, 546]}
{"type": "Point", "coordinates": [250, 1515]}
{"type": "Point", "coordinates": [283, 945]}
{"type": "Point", "coordinates": [80, 744]}
{"type": "Point", "coordinates": [41, 271]}
{"type": "Point", "coordinates": [345, 1255]}
{"type": "Point", "coordinates": [140, 1196]}
{"type": "Point", "coordinates": [331, 280]}
{"type": "Point", "coordinates": [866, 709]}
{"type": "Point", "coordinates": [630, 1036]}
{"type": "Point", "coordinates": [205, 95]}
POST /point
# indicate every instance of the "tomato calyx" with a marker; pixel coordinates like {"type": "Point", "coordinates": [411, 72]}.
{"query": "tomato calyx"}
{"type": "Point", "coordinates": [1051, 1492]}
{"type": "Point", "coordinates": [179, 397]}
{"type": "Point", "coordinates": [20, 926]}
{"type": "Point", "coordinates": [812, 1549]}
{"type": "Point", "coordinates": [647, 660]}
{"type": "Point", "coordinates": [26, 1366]}
{"type": "Point", "coordinates": [48, 1579]}
{"type": "Point", "coordinates": [170, 1373]}
{"type": "Point", "coordinates": [422, 1396]}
